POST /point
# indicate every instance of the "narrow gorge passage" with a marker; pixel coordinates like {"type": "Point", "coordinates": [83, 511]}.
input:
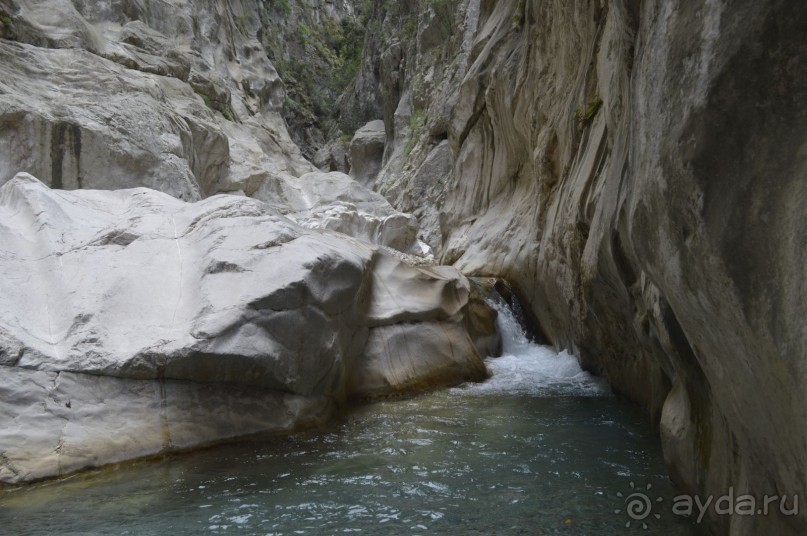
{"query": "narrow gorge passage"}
{"type": "Point", "coordinates": [540, 448]}
{"type": "Point", "coordinates": [224, 220]}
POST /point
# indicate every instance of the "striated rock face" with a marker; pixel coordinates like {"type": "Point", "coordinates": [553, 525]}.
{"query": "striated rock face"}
{"type": "Point", "coordinates": [134, 323]}
{"type": "Point", "coordinates": [637, 170]}
{"type": "Point", "coordinates": [415, 63]}
{"type": "Point", "coordinates": [175, 96]}
{"type": "Point", "coordinates": [83, 140]}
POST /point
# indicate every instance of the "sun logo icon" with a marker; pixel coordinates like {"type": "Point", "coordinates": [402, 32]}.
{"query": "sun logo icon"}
{"type": "Point", "coordinates": [638, 505]}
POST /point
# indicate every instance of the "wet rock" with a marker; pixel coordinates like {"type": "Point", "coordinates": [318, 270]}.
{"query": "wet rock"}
{"type": "Point", "coordinates": [412, 357]}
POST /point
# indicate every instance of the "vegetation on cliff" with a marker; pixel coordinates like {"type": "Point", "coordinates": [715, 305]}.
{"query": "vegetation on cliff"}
{"type": "Point", "coordinates": [317, 53]}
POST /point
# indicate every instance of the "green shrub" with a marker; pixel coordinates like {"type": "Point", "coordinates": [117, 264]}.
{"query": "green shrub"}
{"type": "Point", "coordinates": [282, 6]}
{"type": "Point", "coordinates": [365, 11]}
{"type": "Point", "coordinates": [409, 28]}
{"type": "Point", "coordinates": [584, 116]}
{"type": "Point", "coordinates": [417, 126]}
{"type": "Point", "coordinates": [444, 11]}
{"type": "Point", "coordinates": [518, 14]}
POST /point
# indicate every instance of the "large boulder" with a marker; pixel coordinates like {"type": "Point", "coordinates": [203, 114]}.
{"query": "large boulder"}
{"type": "Point", "coordinates": [367, 152]}
{"type": "Point", "coordinates": [334, 156]}
{"type": "Point", "coordinates": [135, 323]}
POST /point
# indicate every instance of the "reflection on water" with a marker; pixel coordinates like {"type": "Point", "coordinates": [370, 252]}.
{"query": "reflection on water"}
{"type": "Point", "coordinates": [541, 448]}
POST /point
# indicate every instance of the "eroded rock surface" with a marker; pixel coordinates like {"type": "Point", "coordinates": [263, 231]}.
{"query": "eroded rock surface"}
{"type": "Point", "coordinates": [637, 170]}
{"type": "Point", "coordinates": [175, 96]}
{"type": "Point", "coordinates": [334, 156]}
{"type": "Point", "coordinates": [367, 152]}
{"type": "Point", "coordinates": [335, 201]}
{"type": "Point", "coordinates": [135, 323]}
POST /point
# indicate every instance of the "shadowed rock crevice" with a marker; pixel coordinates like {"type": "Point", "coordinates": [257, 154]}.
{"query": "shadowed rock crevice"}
{"type": "Point", "coordinates": [65, 150]}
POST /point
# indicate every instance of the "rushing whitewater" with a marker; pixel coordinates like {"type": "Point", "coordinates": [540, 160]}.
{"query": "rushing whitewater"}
{"type": "Point", "coordinates": [526, 368]}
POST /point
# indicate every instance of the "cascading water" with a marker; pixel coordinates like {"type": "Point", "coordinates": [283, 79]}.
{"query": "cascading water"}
{"type": "Point", "coordinates": [532, 369]}
{"type": "Point", "coordinates": [539, 448]}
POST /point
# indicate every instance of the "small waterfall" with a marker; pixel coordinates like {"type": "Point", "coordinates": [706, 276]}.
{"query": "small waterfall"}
{"type": "Point", "coordinates": [529, 368]}
{"type": "Point", "coordinates": [514, 336]}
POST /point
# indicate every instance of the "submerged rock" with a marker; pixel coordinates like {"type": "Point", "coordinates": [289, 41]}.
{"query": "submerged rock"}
{"type": "Point", "coordinates": [134, 323]}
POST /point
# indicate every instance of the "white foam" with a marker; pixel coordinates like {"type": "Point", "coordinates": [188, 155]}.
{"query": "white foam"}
{"type": "Point", "coordinates": [528, 368]}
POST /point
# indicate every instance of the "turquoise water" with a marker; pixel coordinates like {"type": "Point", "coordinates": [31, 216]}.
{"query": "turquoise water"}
{"type": "Point", "coordinates": [540, 448]}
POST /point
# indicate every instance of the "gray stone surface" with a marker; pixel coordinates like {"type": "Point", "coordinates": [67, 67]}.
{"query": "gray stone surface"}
{"type": "Point", "coordinates": [637, 170]}
{"type": "Point", "coordinates": [175, 96]}
{"type": "Point", "coordinates": [134, 323]}
{"type": "Point", "coordinates": [414, 356]}
{"type": "Point", "coordinates": [334, 156]}
{"type": "Point", "coordinates": [337, 202]}
{"type": "Point", "coordinates": [56, 423]}
{"type": "Point", "coordinates": [367, 152]}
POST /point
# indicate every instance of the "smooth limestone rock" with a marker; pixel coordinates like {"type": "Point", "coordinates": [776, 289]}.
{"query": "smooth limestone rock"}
{"type": "Point", "coordinates": [54, 123]}
{"type": "Point", "coordinates": [172, 95]}
{"type": "Point", "coordinates": [337, 202]}
{"type": "Point", "coordinates": [62, 422]}
{"type": "Point", "coordinates": [175, 96]}
{"type": "Point", "coordinates": [367, 152]}
{"type": "Point", "coordinates": [426, 324]}
{"type": "Point", "coordinates": [637, 170]}
{"type": "Point", "coordinates": [415, 356]}
{"type": "Point", "coordinates": [134, 323]}
{"type": "Point", "coordinates": [334, 156]}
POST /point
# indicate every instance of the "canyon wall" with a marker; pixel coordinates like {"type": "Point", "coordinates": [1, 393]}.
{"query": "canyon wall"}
{"type": "Point", "coordinates": [637, 170]}
{"type": "Point", "coordinates": [142, 312]}
{"type": "Point", "coordinates": [176, 96]}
